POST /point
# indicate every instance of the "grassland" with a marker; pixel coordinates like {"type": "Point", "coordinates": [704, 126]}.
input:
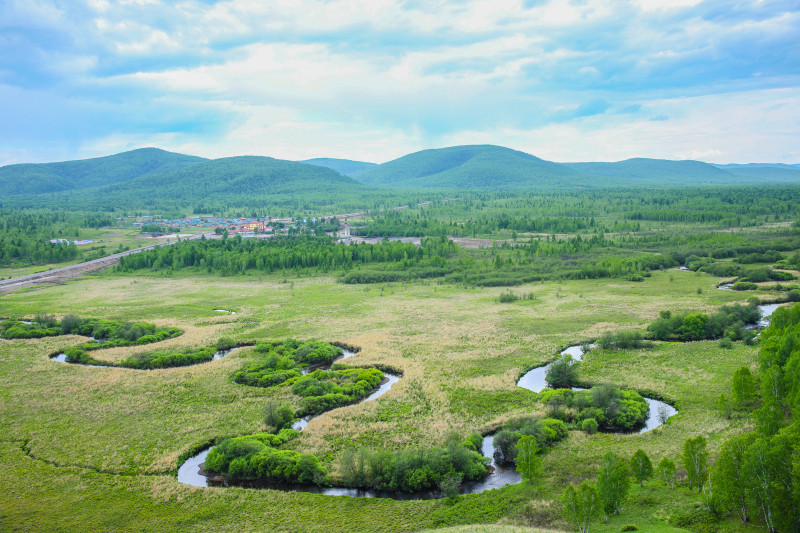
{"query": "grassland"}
{"type": "Point", "coordinates": [86, 449]}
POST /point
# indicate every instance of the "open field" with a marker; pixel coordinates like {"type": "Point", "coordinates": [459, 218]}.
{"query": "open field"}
{"type": "Point", "coordinates": [76, 437]}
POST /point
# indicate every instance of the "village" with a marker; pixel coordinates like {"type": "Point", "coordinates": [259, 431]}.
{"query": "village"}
{"type": "Point", "coordinates": [246, 227]}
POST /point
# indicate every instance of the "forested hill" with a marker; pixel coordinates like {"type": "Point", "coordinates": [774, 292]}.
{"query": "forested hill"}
{"type": "Point", "coordinates": [766, 172]}
{"type": "Point", "coordinates": [473, 167]}
{"type": "Point", "coordinates": [246, 180]}
{"type": "Point", "coordinates": [662, 172]}
{"type": "Point", "coordinates": [32, 178]}
{"type": "Point", "coordinates": [342, 166]}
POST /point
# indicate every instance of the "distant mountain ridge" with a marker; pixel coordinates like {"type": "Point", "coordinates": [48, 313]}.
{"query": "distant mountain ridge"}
{"type": "Point", "coordinates": [471, 167]}
{"type": "Point", "coordinates": [41, 178]}
{"type": "Point", "coordinates": [150, 176]}
{"type": "Point", "coordinates": [248, 176]}
{"type": "Point", "coordinates": [640, 168]}
{"type": "Point", "coordinates": [664, 172]}
{"type": "Point", "coordinates": [347, 167]}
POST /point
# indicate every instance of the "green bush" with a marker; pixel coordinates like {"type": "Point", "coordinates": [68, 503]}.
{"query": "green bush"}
{"type": "Point", "coordinates": [547, 432]}
{"type": "Point", "coordinates": [169, 359]}
{"type": "Point", "coordinates": [225, 343]}
{"type": "Point", "coordinates": [258, 457]}
{"type": "Point", "coordinates": [621, 340]}
{"type": "Point", "coordinates": [696, 520]}
{"type": "Point", "coordinates": [590, 426]}
{"type": "Point", "coordinates": [562, 373]}
{"type": "Point", "coordinates": [281, 361]}
{"type": "Point", "coordinates": [508, 297]}
{"type": "Point", "coordinates": [413, 470]}
{"type": "Point", "coordinates": [698, 326]}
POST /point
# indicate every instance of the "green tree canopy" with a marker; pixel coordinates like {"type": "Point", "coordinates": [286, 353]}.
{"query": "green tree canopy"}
{"type": "Point", "coordinates": [695, 461]}
{"type": "Point", "coordinates": [641, 466]}
{"type": "Point", "coordinates": [613, 483]}
{"type": "Point", "coordinates": [529, 464]}
{"type": "Point", "coordinates": [581, 505]}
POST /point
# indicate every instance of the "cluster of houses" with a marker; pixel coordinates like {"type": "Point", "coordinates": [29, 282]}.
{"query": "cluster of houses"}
{"type": "Point", "coordinates": [67, 241]}
{"type": "Point", "coordinates": [244, 226]}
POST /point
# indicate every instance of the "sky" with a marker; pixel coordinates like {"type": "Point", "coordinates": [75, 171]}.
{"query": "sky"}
{"type": "Point", "coordinates": [372, 80]}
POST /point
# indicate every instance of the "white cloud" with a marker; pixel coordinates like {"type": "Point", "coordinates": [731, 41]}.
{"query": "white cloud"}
{"type": "Point", "coordinates": [307, 75]}
{"type": "Point", "coordinates": [747, 127]}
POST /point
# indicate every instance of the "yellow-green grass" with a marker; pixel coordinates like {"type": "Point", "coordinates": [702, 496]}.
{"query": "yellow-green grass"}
{"type": "Point", "coordinates": [460, 352]}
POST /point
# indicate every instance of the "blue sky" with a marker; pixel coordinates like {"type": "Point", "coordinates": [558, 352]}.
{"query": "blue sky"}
{"type": "Point", "coordinates": [565, 80]}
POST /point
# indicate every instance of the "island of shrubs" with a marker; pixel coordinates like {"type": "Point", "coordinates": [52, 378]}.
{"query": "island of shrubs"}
{"type": "Point", "coordinates": [107, 333]}
{"type": "Point", "coordinates": [282, 363]}
{"type": "Point", "coordinates": [323, 390]}
{"type": "Point", "coordinates": [259, 457]}
{"type": "Point", "coordinates": [151, 360]}
{"type": "Point", "coordinates": [611, 408]}
{"type": "Point", "coordinates": [415, 470]}
{"type": "Point", "coordinates": [546, 433]}
{"type": "Point", "coordinates": [728, 321]}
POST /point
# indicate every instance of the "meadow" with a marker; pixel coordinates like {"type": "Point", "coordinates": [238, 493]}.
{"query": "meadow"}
{"type": "Point", "coordinates": [87, 448]}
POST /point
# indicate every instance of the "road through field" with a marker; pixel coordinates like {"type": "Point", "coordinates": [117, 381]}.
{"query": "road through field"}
{"type": "Point", "coordinates": [60, 275]}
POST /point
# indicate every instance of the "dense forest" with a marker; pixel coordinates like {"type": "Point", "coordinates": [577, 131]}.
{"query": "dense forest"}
{"type": "Point", "coordinates": [25, 235]}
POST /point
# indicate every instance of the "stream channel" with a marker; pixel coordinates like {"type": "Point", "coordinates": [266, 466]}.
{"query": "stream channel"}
{"type": "Point", "coordinates": [535, 381]}
{"type": "Point", "coordinates": [190, 472]}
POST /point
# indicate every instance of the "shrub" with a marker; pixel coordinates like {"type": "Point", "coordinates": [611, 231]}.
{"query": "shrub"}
{"type": "Point", "coordinates": [508, 297]}
{"type": "Point", "coordinates": [590, 426]}
{"type": "Point", "coordinates": [225, 343]}
{"type": "Point", "coordinates": [697, 520]}
{"type": "Point", "coordinates": [277, 415]}
{"type": "Point", "coordinates": [562, 373]}
{"type": "Point", "coordinates": [621, 340]}
{"type": "Point", "coordinates": [413, 470]}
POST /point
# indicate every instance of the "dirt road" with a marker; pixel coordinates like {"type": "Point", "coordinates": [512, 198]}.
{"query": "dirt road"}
{"type": "Point", "coordinates": [60, 275]}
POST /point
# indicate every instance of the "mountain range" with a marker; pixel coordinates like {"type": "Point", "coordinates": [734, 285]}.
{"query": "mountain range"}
{"type": "Point", "coordinates": [132, 178]}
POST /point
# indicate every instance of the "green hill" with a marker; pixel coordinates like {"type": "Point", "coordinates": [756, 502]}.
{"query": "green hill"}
{"type": "Point", "coordinates": [245, 180]}
{"type": "Point", "coordinates": [472, 167]}
{"type": "Point", "coordinates": [32, 178]}
{"type": "Point", "coordinates": [342, 166]}
{"type": "Point", "coordinates": [766, 173]}
{"type": "Point", "coordinates": [662, 172]}
{"type": "Point", "coordinates": [655, 172]}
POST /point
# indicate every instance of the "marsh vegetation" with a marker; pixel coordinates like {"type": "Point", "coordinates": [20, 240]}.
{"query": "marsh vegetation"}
{"type": "Point", "coordinates": [585, 268]}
